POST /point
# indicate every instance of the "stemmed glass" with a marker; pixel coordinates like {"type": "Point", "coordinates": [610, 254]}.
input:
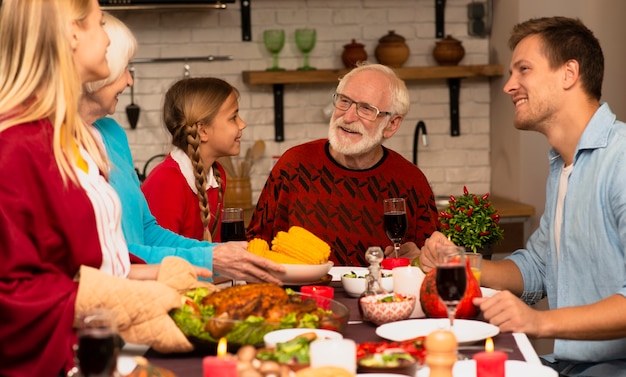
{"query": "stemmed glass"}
{"type": "Point", "coordinates": [305, 40]}
{"type": "Point", "coordinates": [274, 40]}
{"type": "Point", "coordinates": [395, 221]}
{"type": "Point", "coordinates": [98, 345]}
{"type": "Point", "coordinates": [451, 277]}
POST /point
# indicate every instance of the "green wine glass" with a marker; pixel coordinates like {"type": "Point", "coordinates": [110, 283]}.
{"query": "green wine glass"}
{"type": "Point", "coordinates": [274, 40]}
{"type": "Point", "coordinates": [305, 40]}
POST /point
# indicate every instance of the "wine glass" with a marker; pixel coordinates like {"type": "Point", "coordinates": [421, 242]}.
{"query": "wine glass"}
{"type": "Point", "coordinates": [305, 40]}
{"type": "Point", "coordinates": [395, 221]}
{"type": "Point", "coordinates": [451, 277]}
{"type": "Point", "coordinates": [274, 40]}
{"type": "Point", "coordinates": [98, 346]}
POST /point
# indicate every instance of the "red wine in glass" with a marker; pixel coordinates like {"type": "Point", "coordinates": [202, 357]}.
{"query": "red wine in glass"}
{"type": "Point", "coordinates": [451, 283]}
{"type": "Point", "coordinates": [233, 231]}
{"type": "Point", "coordinates": [395, 225]}
{"type": "Point", "coordinates": [451, 277]}
{"type": "Point", "coordinates": [98, 346]}
{"type": "Point", "coordinates": [395, 221]}
{"type": "Point", "coordinates": [97, 354]}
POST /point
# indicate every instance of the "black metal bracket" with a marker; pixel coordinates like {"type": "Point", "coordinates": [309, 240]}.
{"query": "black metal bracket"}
{"type": "Point", "coordinates": [454, 86]}
{"type": "Point", "coordinates": [440, 7]}
{"type": "Point", "coordinates": [279, 121]}
{"type": "Point", "coordinates": [246, 23]}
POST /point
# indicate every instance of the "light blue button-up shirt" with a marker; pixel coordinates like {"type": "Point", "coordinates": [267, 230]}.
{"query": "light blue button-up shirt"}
{"type": "Point", "coordinates": [591, 263]}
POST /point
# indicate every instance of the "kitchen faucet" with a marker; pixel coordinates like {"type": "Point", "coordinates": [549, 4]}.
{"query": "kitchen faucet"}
{"type": "Point", "coordinates": [421, 126]}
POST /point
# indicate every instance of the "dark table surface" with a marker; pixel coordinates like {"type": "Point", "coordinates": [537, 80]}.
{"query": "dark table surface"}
{"type": "Point", "coordinates": [190, 365]}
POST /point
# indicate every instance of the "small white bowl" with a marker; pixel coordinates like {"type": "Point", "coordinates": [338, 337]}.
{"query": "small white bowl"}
{"type": "Point", "coordinates": [284, 335]}
{"type": "Point", "coordinates": [300, 274]}
{"type": "Point", "coordinates": [355, 286]}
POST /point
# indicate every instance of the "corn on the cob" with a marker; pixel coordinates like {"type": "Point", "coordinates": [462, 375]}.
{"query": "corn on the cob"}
{"type": "Point", "coordinates": [258, 246]}
{"type": "Point", "coordinates": [301, 244]}
{"type": "Point", "coordinates": [281, 258]}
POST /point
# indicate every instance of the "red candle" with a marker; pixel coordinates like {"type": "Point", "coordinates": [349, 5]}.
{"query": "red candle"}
{"type": "Point", "coordinates": [490, 363]}
{"type": "Point", "coordinates": [319, 291]}
{"type": "Point", "coordinates": [222, 365]}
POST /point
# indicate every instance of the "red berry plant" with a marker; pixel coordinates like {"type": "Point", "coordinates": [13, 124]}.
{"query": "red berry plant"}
{"type": "Point", "coordinates": [470, 221]}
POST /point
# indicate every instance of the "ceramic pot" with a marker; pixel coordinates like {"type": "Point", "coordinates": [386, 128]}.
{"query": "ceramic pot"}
{"type": "Point", "coordinates": [353, 53]}
{"type": "Point", "coordinates": [392, 50]}
{"type": "Point", "coordinates": [238, 193]}
{"type": "Point", "coordinates": [448, 51]}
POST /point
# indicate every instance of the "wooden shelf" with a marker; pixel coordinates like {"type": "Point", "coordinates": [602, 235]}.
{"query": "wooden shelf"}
{"type": "Point", "coordinates": [407, 74]}
{"type": "Point", "coordinates": [453, 75]}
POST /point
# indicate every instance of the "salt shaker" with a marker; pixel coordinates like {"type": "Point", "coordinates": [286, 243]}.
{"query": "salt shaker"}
{"type": "Point", "coordinates": [374, 256]}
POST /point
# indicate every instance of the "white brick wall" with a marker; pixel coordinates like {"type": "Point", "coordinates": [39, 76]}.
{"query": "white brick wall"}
{"type": "Point", "coordinates": [449, 163]}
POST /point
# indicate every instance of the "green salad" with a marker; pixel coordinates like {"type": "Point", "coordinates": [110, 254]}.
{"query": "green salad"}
{"type": "Point", "coordinates": [196, 320]}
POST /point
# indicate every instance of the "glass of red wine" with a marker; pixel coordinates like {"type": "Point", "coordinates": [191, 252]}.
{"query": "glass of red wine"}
{"type": "Point", "coordinates": [451, 277]}
{"type": "Point", "coordinates": [395, 221]}
{"type": "Point", "coordinates": [232, 228]}
{"type": "Point", "coordinates": [98, 345]}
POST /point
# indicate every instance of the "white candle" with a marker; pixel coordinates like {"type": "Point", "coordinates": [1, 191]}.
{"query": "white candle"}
{"type": "Point", "coordinates": [334, 352]}
{"type": "Point", "coordinates": [408, 280]}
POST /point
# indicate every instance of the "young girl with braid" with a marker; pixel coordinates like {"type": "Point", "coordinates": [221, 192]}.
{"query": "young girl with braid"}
{"type": "Point", "coordinates": [186, 191]}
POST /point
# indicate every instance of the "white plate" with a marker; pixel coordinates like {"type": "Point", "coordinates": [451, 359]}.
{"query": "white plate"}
{"type": "Point", "coordinates": [338, 271]}
{"type": "Point", "coordinates": [512, 368]}
{"type": "Point", "coordinates": [488, 292]}
{"type": "Point", "coordinates": [280, 336]}
{"type": "Point", "coordinates": [304, 273]}
{"type": "Point", "coordinates": [466, 331]}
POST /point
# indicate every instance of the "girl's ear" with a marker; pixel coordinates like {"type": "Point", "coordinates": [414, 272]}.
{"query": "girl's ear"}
{"type": "Point", "coordinates": [203, 131]}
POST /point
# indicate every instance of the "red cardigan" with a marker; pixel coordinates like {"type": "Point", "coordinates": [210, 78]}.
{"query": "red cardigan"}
{"type": "Point", "coordinates": [343, 207]}
{"type": "Point", "coordinates": [173, 203]}
{"type": "Point", "coordinates": [47, 230]}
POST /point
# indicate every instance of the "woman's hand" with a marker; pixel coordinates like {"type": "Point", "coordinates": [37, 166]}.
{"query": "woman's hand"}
{"type": "Point", "coordinates": [233, 259]}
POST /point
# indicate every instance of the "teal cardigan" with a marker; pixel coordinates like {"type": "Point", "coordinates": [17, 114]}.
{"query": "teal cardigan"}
{"type": "Point", "coordinates": [145, 238]}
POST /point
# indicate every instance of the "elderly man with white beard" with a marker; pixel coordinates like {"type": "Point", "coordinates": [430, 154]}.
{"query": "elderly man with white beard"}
{"type": "Point", "coordinates": [335, 187]}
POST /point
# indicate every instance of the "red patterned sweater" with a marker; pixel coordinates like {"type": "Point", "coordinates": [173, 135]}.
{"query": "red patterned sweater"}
{"type": "Point", "coordinates": [344, 207]}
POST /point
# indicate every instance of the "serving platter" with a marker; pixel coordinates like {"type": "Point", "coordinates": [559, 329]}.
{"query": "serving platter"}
{"type": "Point", "coordinates": [512, 368]}
{"type": "Point", "coordinates": [466, 331]}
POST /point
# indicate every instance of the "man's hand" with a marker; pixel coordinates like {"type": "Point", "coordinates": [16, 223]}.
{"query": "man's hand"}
{"type": "Point", "coordinates": [428, 255]}
{"type": "Point", "coordinates": [407, 250]}
{"type": "Point", "coordinates": [232, 259]}
{"type": "Point", "coordinates": [509, 313]}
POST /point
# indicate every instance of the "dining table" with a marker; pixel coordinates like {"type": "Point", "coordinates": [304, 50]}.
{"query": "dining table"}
{"type": "Point", "coordinates": [517, 345]}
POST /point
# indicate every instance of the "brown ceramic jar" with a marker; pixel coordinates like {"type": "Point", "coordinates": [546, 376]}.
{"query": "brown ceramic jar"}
{"type": "Point", "coordinates": [392, 50]}
{"type": "Point", "coordinates": [448, 51]}
{"type": "Point", "coordinates": [352, 54]}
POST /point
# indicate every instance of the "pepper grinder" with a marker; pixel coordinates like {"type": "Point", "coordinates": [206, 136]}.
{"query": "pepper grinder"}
{"type": "Point", "coordinates": [441, 352]}
{"type": "Point", "coordinates": [374, 255]}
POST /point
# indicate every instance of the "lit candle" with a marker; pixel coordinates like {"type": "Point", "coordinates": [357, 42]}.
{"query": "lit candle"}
{"type": "Point", "coordinates": [319, 291]}
{"type": "Point", "coordinates": [222, 365]}
{"type": "Point", "coordinates": [490, 363]}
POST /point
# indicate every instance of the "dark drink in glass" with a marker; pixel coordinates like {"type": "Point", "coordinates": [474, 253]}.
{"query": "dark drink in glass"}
{"type": "Point", "coordinates": [451, 283]}
{"type": "Point", "coordinates": [233, 231]}
{"type": "Point", "coordinates": [395, 225]}
{"type": "Point", "coordinates": [97, 354]}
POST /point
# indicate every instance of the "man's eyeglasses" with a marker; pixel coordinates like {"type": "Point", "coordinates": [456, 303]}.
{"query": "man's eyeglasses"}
{"type": "Point", "coordinates": [363, 110]}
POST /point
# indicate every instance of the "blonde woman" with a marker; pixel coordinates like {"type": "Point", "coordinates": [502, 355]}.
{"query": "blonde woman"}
{"type": "Point", "coordinates": [58, 215]}
{"type": "Point", "coordinates": [186, 191]}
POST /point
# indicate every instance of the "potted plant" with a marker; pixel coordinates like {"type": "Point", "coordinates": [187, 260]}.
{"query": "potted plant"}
{"type": "Point", "coordinates": [471, 221]}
